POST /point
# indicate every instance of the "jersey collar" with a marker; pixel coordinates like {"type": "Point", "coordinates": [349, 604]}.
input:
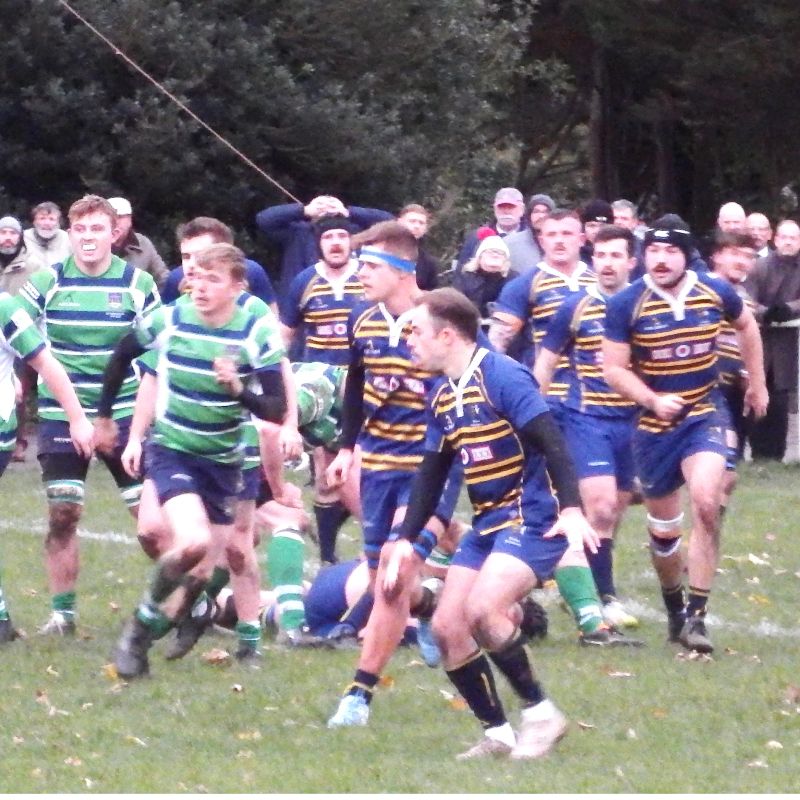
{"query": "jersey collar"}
{"type": "Point", "coordinates": [458, 388]}
{"type": "Point", "coordinates": [338, 282]}
{"type": "Point", "coordinates": [395, 325]}
{"type": "Point", "coordinates": [572, 281]}
{"type": "Point", "coordinates": [678, 302]}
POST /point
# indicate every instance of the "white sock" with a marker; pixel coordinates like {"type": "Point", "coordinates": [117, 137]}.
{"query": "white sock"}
{"type": "Point", "coordinates": [502, 733]}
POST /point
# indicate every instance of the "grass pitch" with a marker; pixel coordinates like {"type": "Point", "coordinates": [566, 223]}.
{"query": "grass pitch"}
{"type": "Point", "coordinates": [643, 720]}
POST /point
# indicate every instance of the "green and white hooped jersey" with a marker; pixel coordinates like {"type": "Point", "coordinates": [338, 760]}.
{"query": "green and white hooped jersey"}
{"type": "Point", "coordinates": [319, 402]}
{"type": "Point", "coordinates": [250, 443]}
{"type": "Point", "coordinates": [83, 318]}
{"type": "Point", "coordinates": [194, 413]}
{"type": "Point", "coordinates": [19, 337]}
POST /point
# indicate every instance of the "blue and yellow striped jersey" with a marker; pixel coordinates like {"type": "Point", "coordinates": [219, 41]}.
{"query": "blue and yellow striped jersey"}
{"type": "Point", "coordinates": [393, 435]}
{"type": "Point", "coordinates": [577, 329]}
{"type": "Point", "coordinates": [479, 418]}
{"type": "Point", "coordinates": [535, 297]}
{"type": "Point", "coordinates": [323, 305]}
{"type": "Point", "coordinates": [674, 339]}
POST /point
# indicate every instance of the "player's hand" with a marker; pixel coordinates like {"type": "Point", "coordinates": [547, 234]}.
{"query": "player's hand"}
{"type": "Point", "coordinates": [572, 524]}
{"type": "Point", "coordinates": [227, 374]}
{"type": "Point", "coordinates": [131, 457]}
{"type": "Point", "coordinates": [291, 442]}
{"type": "Point", "coordinates": [82, 434]}
{"type": "Point", "coordinates": [756, 400]}
{"type": "Point", "coordinates": [667, 406]}
{"type": "Point", "coordinates": [105, 435]}
{"type": "Point", "coordinates": [288, 495]}
{"type": "Point", "coordinates": [401, 556]}
{"type": "Point", "coordinates": [339, 468]}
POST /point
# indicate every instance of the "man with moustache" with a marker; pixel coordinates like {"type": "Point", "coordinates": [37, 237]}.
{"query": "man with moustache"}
{"type": "Point", "coordinates": [660, 351]}
{"type": "Point", "coordinates": [45, 238]}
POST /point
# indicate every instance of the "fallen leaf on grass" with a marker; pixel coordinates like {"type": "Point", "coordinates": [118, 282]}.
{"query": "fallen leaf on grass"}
{"type": "Point", "coordinates": [113, 606]}
{"type": "Point", "coordinates": [586, 726]}
{"type": "Point", "coordinates": [774, 745]}
{"type": "Point", "coordinates": [17, 740]}
{"type": "Point", "coordinates": [386, 681]}
{"type": "Point", "coordinates": [779, 572]}
{"type": "Point", "coordinates": [659, 713]}
{"type": "Point", "coordinates": [758, 763]}
{"type": "Point", "coordinates": [249, 736]}
{"type": "Point", "coordinates": [86, 706]}
{"type": "Point", "coordinates": [216, 656]}
{"type": "Point", "coordinates": [415, 663]}
{"type": "Point", "coordinates": [54, 672]}
{"type": "Point", "coordinates": [754, 580]}
{"type": "Point", "coordinates": [632, 734]}
{"type": "Point", "coordinates": [759, 562]}
{"type": "Point", "coordinates": [791, 694]}
{"type": "Point", "coordinates": [618, 772]}
{"type": "Point", "coordinates": [455, 701]}
{"type": "Point", "coordinates": [245, 754]}
{"type": "Point", "coordinates": [729, 651]}
{"type": "Point", "coordinates": [110, 672]}
{"type": "Point", "coordinates": [31, 592]}
{"type": "Point", "coordinates": [755, 658]}
{"type": "Point", "coordinates": [770, 537]}
{"type": "Point", "coordinates": [135, 740]}
{"type": "Point", "coordinates": [237, 688]}
{"type": "Point", "coordinates": [617, 674]}
{"type": "Point", "coordinates": [88, 782]}
{"type": "Point", "coordinates": [759, 599]}
{"type": "Point", "coordinates": [693, 655]}
{"type": "Point", "coordinates": [73, 761]}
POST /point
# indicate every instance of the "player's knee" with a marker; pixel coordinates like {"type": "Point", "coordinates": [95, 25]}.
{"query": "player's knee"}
{"type": "Point", "coordinates": [665, 535]}
{"type": "Point", "coordinates": [602, 513]}
{"type": "Point", "coordinates": [705, 510]}
{"type": "Point", "coordinates": [64, 519]}
{"type": "Point", "coordinates": [150, 542]}
{"type": "Point", "coordinates": [236, 557]}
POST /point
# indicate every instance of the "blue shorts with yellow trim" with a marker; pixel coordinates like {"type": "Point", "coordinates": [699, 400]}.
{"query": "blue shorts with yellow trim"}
{"type": "Point", "coordinates": [601, 446]}
{"type": "Point", "coordinates": [658, 456]}
{"type": "Point", "coordinates": [523, 542]}
{"type": "Point", "coordinates": [382, 493]}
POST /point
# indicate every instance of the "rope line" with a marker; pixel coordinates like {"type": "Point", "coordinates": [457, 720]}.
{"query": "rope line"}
{"type": "Point", "coordinates": [179, 103]}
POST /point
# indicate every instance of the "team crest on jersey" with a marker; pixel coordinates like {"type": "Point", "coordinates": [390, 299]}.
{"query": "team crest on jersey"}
{"type": "Point", "coordinates": [115, 299]}
{"type": "Point", "coordinates": [448, 423]}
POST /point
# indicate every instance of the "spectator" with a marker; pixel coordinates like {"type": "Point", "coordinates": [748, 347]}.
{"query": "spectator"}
{"type": "Point", "coordinates": [16, 266]}
{"type": "Point", "coordinates": [759, 228]}
{"type": "Point", "coordinates": [416, 218]}
{"type": "Point", "coordinates": [626, 215]}
{"type": "Point", "coordinates": [774, 286]}
{"type": "Point", "coordinates": [595, 214]}
{"type": "Point", "coordinates": [46, 239]}
{"type": "Point", "coordinates": [509, 208]}
{"type": "Point", "coordinates": [482, 277]}
{"type": "Point", "coordinates": [523, 246]}
{"type": "Point", "coordinates": [136, 248]}
{"type": "Point", "coordinates": [290, 227]}
{"type": "Point", "coordinates": [731, 218]}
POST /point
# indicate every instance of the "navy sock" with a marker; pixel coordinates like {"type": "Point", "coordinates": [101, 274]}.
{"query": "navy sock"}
{"type": "Point", "coordinates": [602, 566]}
{"type": "Point", "coordinates": [475, 683]}
{"type": "Point", "coordinates": [513, 662]}
{"type": "Point", "coordinates": [329, 517]}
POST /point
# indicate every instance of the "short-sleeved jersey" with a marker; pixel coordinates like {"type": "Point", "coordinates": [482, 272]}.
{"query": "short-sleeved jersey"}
{"type": "Point", "coordinates": [393, 435]}
{"type": "Point", "coordinates": [194, 413]}
{"type": "Point", "coordinates": [729, 357]}
{"type": "Point", "coordinates": [323, 306]}
{"type": "Point", "coordinates": [83, 317]}
{"type": "Point", "coordinates": [534, 297]}
{"type": "Point", "coordinates": [319, 402]}
{"type": "Point", "coordinates": [673, 340]}
{"type": "Point", "coordinates": [19, 338]}
{"type": "Point", "coordinates": [577, 329]}
{"type": "Point", "coordinates": [478, 418]}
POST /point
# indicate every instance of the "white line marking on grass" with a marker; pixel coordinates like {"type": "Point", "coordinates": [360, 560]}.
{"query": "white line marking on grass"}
{"type": "Point", "coordinates": [38, 529]}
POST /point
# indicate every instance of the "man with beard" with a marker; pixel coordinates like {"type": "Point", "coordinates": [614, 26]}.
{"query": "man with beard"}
{"type": "Point", "coordinates": [46, 239]}
{"type": "Point", "coordinates": [660, 351]}
{"type": "Point", "coordinates": [16, 266]}
{"type": "Point", "coordinates": [320, 300]}
{"type": "Point", "coordinates": [509, 208]}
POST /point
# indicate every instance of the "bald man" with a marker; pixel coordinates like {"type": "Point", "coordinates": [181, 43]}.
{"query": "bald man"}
{"type": "Point", "coordinates": [760, 230]}
{"type": "Point", "coordinates": [731, 218]}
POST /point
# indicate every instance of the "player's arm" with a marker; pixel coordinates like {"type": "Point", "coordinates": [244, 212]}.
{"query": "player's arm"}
{"type": "Point", "coordinates": [270, 405]}
{"type": "Point", "coordinates": [352, 422]}
{"type": "Point", "coordinates": [128, 348]}
{"type": "Point", "coordinates": [287, 334]}
{"type": "Point", "coordinates": [290, 440]}
{"type": "Point", "coordinates": [544, 368]}
{"type": "Point", "coordinates": [503, 327]}
{"type": "Point", "coordinates": [58, 382]}
{"type": "Point", "coordinates": [542, 434]}
{"type": "Point", "coordinates": [623, 380]}
{"type": "Point", "coordinates": [751, 350]}
{"type": "Point", "coordinates": [144, 412]}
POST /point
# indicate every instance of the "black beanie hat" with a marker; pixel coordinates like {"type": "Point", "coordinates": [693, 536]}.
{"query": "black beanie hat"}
{"type": "Point", "coordinates": [597, 211]}
{"type": "Point", "coordinates": [331, 222]}
{"type": "Point", "coordinates": [672, 229]}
